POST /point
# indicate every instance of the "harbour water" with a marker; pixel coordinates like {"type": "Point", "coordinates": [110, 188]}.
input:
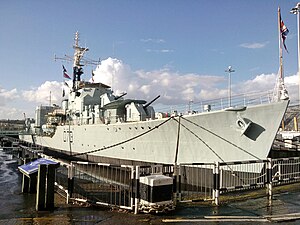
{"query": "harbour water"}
{"type": "Point", "coordinates": [19, 208]}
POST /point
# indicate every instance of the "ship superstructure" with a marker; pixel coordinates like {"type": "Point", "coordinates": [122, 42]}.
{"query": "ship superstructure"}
{"type": "Point", "coordinates": [95, 124]}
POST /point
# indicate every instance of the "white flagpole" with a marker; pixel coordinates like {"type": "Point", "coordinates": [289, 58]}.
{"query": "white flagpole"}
{"type": "Point", "coordinates": [296, 10]}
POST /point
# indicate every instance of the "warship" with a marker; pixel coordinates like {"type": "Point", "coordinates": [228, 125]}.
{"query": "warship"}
{"type": "Point", "coordinates": [94, 124]}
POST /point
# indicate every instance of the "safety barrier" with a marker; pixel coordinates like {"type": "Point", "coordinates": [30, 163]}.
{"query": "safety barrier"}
{"type": "Point", "coordinates": [116, 186]}
{"type": "Point", "coordinates": [123, 186]}
{"type": "Point", "coordinates": [96, 183]}
{"type": "Point", "coordinates": [206, 182]}
{"type": "Point", "coordinates": [285, 170]}
{"type": "Point", "coordinates": [119, 186]}
{"type": "Point", "coordinates": [196, 182]}
{"type": "Point", "coordinates": [242, 175]}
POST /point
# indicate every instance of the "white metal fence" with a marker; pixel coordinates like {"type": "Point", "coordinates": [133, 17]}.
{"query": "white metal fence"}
{"type": "Point", "coordinates": [118, 186]}
{"type": "Point", "coordinates": [97, 183]}
{"type": "Point", "coordinates": [206, 182]}
{"type": "Point", "coordinates": [196, 182]}
{"type": "Point", "coordinates": [112, 185]}
{"type": "Point", "coordinates": [285, 170]}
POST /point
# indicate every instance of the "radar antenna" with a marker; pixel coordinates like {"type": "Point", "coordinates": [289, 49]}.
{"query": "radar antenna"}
{"type": "Point", "coordinates": [78, 60]}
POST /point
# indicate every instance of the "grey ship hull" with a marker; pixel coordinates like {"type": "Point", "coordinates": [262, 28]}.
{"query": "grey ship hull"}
{"type": "Point", "coordinates": [204, 137]}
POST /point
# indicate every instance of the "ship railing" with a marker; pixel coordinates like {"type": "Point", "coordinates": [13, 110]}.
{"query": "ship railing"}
{"type": "Point", "coordinates": [246, 99]}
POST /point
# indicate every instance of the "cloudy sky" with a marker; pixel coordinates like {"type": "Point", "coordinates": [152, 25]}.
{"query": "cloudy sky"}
{"type": "Point", "coordinates": [177, 49]}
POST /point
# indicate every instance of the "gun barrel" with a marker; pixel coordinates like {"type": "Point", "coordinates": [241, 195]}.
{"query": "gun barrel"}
{"type": "Point", "coordinates": [116, 98]}
{"type": "Point", "coordinates": [145, 106]}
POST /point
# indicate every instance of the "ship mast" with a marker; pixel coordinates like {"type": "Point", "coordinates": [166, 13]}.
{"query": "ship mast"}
{"type": "Point", "coordinates": [280, 92]}
{"type": "Point", "coordinates": [280, 46]}
{"type": "Point", "coordinates": [77, 66]}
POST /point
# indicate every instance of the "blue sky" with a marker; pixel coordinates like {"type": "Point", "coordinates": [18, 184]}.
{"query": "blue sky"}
{"type": "Point", "coordinates": [186, 41]}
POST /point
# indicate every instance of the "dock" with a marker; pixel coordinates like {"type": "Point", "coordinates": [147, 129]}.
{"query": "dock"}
{"type": "Point", "coordinates": [124, 186]}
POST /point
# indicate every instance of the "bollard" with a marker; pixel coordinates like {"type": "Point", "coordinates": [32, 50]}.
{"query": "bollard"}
{"type": "Point", "coordinates": [45, 187]}
{"type": "Point", "coordinates": [39, 177]}
{"type": "Point", "coordinates": [41, 188]}
{"type": "Point", "coordinates": [50, 186]}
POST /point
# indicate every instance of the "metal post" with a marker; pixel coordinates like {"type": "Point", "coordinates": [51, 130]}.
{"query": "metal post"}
{"type": "Point", "coordinates": [298, 22]}
{"type": "Point", "coordinates": [25, 182]}
{"type": "Point", "coordinates": [175, 177]}
{"type": "Point", "coordinates": [229, 70]}
{"type": "Point", "coordinates": [179, 183]}
{"type": "Point", "coordinates": [132, 187]}
{"type": "Point", "coordinates": [216, 174]}
{"type": "Point", "coordinates": [137, 189]}
{"type": "Point", "coordinates": [296, 10]}
{"type": "Point", "coordinates": [269, 177]}
{"type": "Point", "coordinates": [70, 182]}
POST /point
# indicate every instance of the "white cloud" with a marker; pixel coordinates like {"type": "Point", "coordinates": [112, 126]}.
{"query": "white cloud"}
{"type": "Point", "coordinates": [292, 85]}
{"type": "Point", "coordinates": [159, 50]}
{"type": "Point", "coordinates": [292, 80]}
{"type": "Point", "coordinates": [254, 45]}
{"type": "Point", "coordinates": [174, 88]}
{"type": "Point", "coordinates": [11, 113]}
{"type": "Point", "coordinates": [262, 82]}
{"type": "Point", "coordinates": [7, 95]}
{"type": "Point", "coordinates": [41, 94]}
{"type": "Point", "coordinates": [153, 40]}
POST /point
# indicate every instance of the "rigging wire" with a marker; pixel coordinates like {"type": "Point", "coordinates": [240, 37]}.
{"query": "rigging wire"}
{"type": "Point", "coordinates": [238, 147]}
{"type": "Point", "coordinates": [123, 142]}
{"type": "Point", "coordinates": [232, 171]}
{"type": "Point", "coordinates": [200, 140]}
